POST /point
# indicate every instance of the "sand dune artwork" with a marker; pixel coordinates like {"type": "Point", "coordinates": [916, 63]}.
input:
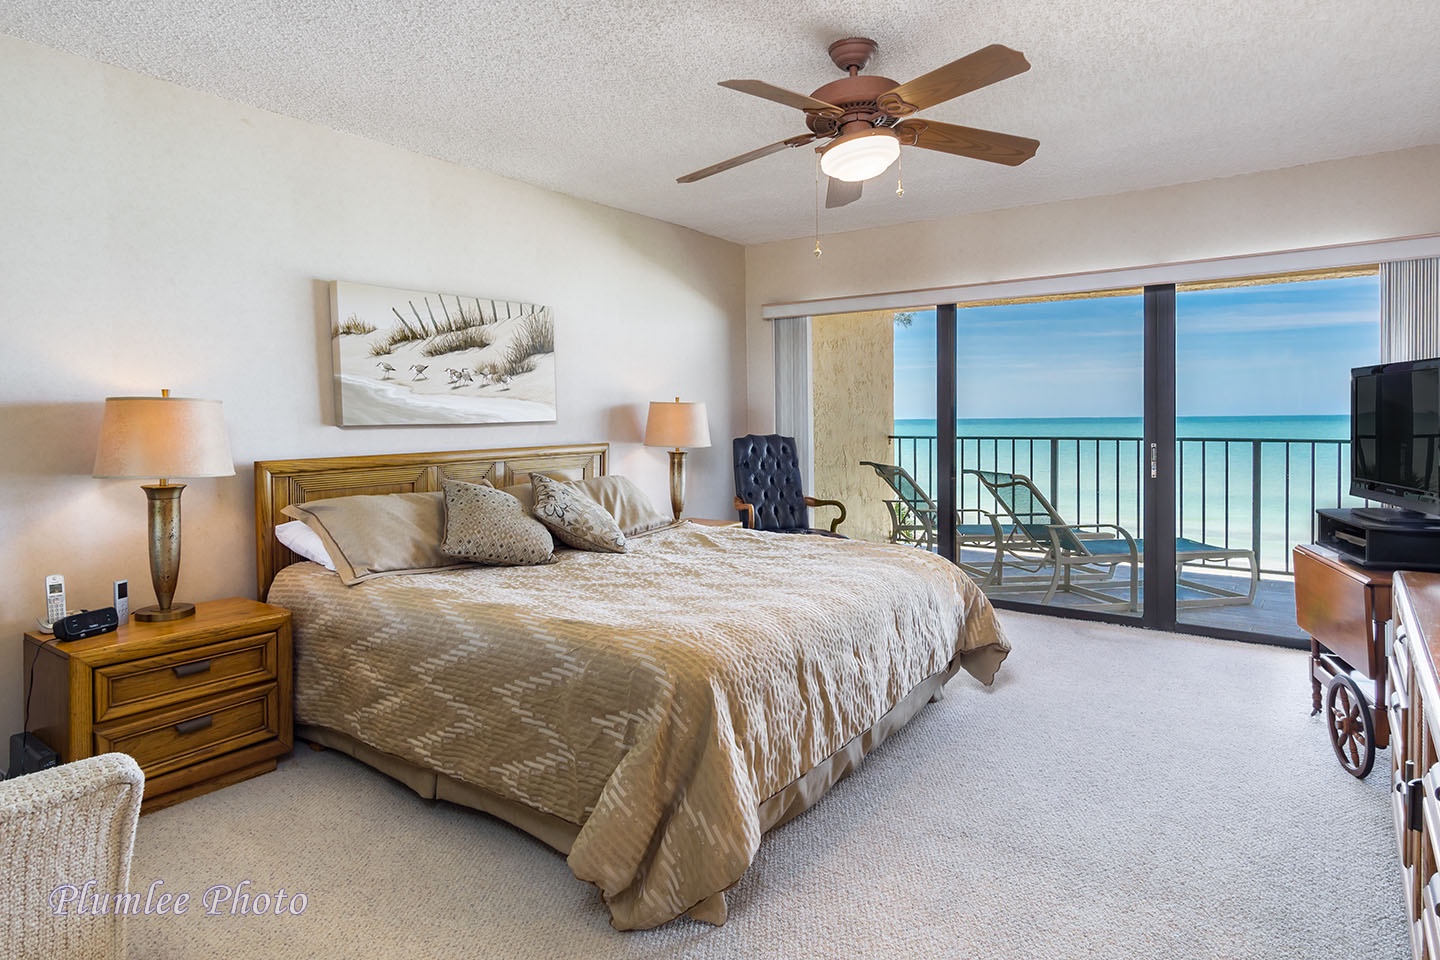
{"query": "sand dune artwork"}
{"type": "Point", "coordinates": [412, 357]}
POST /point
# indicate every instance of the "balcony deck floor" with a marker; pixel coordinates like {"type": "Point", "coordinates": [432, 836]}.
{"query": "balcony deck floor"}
{"type": "Point", "coordinates": [1272, 613]}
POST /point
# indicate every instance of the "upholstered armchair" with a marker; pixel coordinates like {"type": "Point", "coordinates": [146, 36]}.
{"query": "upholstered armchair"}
{"type": "Point", "coordinates": [768, 490]}
{"type": "Point", "coordinates": [60, 828]}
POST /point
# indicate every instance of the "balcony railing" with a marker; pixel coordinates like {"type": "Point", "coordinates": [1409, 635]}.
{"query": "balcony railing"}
{"type": "Point", "coordinates": [1260, 493]}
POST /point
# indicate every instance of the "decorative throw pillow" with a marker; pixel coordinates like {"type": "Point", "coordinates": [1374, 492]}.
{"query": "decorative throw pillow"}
{"type": "Point", "coordinates": [577, 520]}
{"type": "Point", "coordinates": [490, 526]}
{"type": "Point", "coordinates": [623, 500]}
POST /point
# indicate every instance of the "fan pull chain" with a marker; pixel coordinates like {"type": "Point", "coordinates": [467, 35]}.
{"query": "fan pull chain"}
{"type": "Point", "coordinates": [817, 205]}
{"type": "Point", "coordinates": [900, 174]}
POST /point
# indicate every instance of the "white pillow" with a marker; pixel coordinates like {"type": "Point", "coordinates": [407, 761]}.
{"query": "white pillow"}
{"type": "Point", "coordinates": [299, 538]}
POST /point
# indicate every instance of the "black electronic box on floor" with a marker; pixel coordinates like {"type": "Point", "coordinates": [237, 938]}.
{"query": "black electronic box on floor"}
{"type": "Point", "coordinates": [29, 754]}
{"type": "Point", "coordinates": [1381, 538]}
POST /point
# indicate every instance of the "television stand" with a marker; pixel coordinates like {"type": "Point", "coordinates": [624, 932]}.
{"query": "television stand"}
{"type": "Point", "coordinates": [1394, 517]}
{"type": "Point", "coordinates": [1383, 544]}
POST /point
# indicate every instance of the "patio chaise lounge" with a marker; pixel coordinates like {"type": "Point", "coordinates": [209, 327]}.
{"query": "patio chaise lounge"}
{"type": "Point", "coordinates": [1082, 555]}
{"type": "Point", "coordinates": [912, 520]}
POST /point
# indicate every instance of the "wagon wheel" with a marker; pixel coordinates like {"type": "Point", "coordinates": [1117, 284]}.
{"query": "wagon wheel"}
{"type": "Point", "coordinates": [1352, 728]}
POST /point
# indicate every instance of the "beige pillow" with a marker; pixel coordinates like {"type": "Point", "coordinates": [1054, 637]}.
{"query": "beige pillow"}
{"type": "Point", "coordinates": [623, 500]}
{"type": "Point", "coordinates": [378, 535]}
{"type": "Point", "coordinates": [490, 526]}
{"type": "Point", "coordinates": [522, 492]}
{"type": "Point", "coordinates": [577, 520]}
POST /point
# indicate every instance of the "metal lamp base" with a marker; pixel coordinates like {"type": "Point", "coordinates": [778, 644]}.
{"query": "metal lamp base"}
{"type": "Point", "coordinates": [677, 482]}
{"type": "Point", "coordinates": [177, 611]}
{"type": "Point", "coordinates": [164, 530]}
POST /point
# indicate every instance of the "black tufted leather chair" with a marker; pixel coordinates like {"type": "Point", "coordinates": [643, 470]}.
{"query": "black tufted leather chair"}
{"type": "Point", "coordinates": [767, 487]}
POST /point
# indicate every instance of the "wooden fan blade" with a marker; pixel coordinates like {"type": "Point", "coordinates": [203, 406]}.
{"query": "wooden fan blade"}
{"type": "Point", "coordinates": [967, 141]}
{"type": "Point", "coordinates": [768, 91]}
{"type": "Point", "coordinates": [980, 69]}
{"type": "Point", "coordinates": [715, 168]}
{"type": "Point", "coordinates": [841, 192]}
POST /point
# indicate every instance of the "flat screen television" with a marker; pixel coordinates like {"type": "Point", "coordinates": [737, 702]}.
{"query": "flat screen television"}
{"type": "Point", "coordinates": [1395, 435]}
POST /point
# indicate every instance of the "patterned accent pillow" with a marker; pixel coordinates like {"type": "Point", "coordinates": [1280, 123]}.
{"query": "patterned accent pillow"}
{"type": "Point", "coordinates": [490, 526]}
{"type": "Point", "coordinates": [577, 520]}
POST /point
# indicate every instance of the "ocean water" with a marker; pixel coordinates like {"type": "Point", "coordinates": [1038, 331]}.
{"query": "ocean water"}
{"type": "Point", "coordinates": [1244, 481]}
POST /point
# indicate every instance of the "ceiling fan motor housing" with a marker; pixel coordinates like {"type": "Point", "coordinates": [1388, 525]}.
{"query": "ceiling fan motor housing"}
{"type": "Point", "coordinates": [856, 96]}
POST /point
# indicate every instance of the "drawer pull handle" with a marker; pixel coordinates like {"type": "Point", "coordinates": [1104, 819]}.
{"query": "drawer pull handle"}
{"type": "Point", "coordinates": [190, 669]}
{"type": "Point", "coordinates": [193, 725]}
{"type": "Point", "coordinates": [1414, 791]}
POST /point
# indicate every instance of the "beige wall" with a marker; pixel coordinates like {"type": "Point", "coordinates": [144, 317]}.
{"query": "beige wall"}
{"type": "Point", "coordinates": [159, 237]}
{"type": "Point", "coordinates": [852, 385]}
{"type": "Point", "coordinates": [1387, 195]}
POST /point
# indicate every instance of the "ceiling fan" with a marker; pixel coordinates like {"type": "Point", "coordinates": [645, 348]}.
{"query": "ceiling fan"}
{"type": "Point", "coordinates": [866, 119]}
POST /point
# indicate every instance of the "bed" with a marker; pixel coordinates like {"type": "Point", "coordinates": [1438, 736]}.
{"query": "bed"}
{"type": "Point", "coordinates": [649, 714]}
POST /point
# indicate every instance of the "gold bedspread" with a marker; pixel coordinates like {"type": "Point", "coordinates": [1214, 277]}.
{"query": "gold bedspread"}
{"type": "Point", "coordinates": [655, 697]}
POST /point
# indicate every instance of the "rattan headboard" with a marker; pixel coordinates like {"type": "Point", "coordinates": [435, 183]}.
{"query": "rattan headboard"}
{"type": "Point", "coordinates": [279, 483]}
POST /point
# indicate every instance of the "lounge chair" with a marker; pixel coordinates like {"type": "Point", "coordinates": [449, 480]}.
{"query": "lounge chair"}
{"type": "Point", "coordinates": [913, 520]}
{"type": "Point", "coordinates": [1080, 556]}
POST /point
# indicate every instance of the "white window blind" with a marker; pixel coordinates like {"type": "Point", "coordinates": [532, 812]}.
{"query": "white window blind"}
{"type": "Point", "coordinates": [794, 416]}
{"type": "Point", "coordinates": [1410, 309]}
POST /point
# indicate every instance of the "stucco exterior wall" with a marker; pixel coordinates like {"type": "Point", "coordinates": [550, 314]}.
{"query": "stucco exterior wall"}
{"type": "Point", "coordinates": [853, 392]}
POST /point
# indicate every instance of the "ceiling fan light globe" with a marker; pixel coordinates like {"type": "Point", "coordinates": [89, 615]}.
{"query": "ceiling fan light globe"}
{"type": "Point", "coordinates": [860, 156]}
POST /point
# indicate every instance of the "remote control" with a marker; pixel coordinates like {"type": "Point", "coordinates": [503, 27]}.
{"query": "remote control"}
{"type": "Point", "coordinates": [122, 600]}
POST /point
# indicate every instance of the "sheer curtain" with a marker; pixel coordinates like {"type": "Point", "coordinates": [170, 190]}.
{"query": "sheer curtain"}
{"type": "Point", "coordinates": [1409, 309]}
{"type": "Point", "coordinates": [793, 414]}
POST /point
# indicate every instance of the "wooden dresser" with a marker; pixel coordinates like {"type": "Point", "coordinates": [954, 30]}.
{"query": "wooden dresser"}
{"type": "Point", "coordinates": [1413, 705]}
{"type": "Point", "coordinates": [199, 703]}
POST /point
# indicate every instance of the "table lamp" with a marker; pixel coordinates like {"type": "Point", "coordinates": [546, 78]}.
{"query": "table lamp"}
{"type": "Point", "coordinates": [163, 437]}
{"type": "Point", "coordinates": [677, 425]}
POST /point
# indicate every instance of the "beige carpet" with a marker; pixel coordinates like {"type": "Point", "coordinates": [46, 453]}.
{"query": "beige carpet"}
{"type": "Point", "coordinates": [1116, 794]}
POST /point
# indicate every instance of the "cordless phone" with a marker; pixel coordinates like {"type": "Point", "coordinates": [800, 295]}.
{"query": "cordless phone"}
{"type": "Point", "coordinates": [54, 600]}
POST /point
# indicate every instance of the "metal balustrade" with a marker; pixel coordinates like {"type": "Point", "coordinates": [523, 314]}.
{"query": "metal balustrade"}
{"type": "Point", "coordinates": [1256, 492]}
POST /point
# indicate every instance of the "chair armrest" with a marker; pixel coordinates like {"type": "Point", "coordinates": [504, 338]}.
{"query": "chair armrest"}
{"type": "Point", "coordinates": [749, 511]}
{"type": "Point", "coordinates": [987, 515]}
{"type": "Point", "coordinates": [813, 502]}
{"type": "Point", "coordinates": [1076, 528]}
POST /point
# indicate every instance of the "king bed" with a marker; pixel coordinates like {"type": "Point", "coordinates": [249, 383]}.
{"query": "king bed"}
{"type": "Point", "coordinates": [649, 713]}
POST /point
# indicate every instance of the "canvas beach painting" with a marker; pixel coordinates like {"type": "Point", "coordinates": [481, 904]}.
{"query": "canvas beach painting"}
{"type": "Point", "coordinates": [417, 357]}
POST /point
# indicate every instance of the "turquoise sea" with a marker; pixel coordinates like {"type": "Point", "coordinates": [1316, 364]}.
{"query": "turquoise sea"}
{"type": "Point", "coordinates": [1244, 481]}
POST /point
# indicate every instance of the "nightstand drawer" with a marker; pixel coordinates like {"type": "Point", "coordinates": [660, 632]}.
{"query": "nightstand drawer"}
{"type": "Point", "coordinates": [130, 688]}
{"type": "Point", "coordinates": [167, 740]}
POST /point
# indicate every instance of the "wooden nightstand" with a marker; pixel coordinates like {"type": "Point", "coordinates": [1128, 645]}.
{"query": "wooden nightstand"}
{"type": "Point", "coordinates": [705, 522]}
{"type": "Point", "coordinates": [200, 703]}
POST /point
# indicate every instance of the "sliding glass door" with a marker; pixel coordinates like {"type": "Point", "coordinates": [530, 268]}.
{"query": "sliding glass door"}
{"type": "Point", "coordinates": [1133, 455]}
{"type": "Point", "coordinates": [1049, 398]}
{"type": "Point", "coordinates": [1262, 435]}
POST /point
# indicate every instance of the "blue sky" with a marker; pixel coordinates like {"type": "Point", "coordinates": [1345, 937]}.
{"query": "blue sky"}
{"type": "Point", "coordinates": [1273, 350]}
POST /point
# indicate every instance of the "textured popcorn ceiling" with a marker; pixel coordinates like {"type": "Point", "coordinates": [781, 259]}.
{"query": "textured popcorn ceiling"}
{"type": "Point", "coordinates": [611, 101]}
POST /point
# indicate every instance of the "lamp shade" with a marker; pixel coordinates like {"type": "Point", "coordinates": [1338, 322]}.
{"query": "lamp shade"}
{"type": "Point", "coordinates": [163, 437]}
{"type": "Point", "coordinates": [860, 156]}
{"type": "Point", "coordinates": [677, 424]}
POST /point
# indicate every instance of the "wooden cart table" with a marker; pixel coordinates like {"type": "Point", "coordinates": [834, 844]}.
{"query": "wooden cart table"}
{"type": "Point", "coordinates": [1345, 609]}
